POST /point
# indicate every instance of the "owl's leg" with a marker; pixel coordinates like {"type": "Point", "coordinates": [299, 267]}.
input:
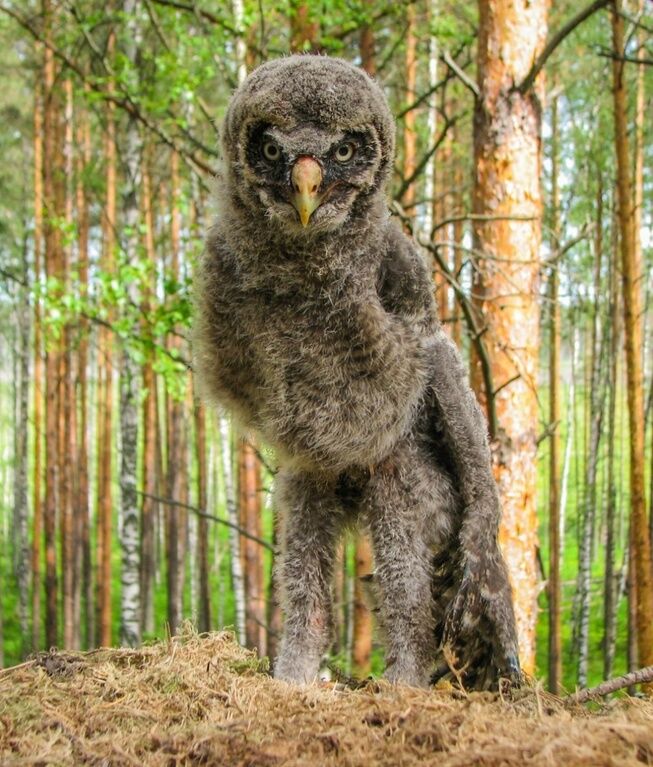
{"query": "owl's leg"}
{"type": "Point", "coordinates": [407, 507]}
{"type": "Point", "coordinates": [311, 521]}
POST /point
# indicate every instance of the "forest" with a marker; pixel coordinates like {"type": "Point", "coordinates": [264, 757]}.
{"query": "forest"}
{"type": "Point", "coordinates": [523, 170]}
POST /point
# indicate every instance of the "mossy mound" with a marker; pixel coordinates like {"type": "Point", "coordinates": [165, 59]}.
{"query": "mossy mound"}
{"type": "Point", "coordinates": [202, 699]}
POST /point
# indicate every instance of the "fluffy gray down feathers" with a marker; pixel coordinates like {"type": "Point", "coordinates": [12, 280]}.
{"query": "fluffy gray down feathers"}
{"type": "Point", "coordinates": [324, 340]}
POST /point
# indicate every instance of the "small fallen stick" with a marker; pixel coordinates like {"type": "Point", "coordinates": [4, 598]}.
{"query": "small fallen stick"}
{"type": "Point", "coordinates": [641, 676]}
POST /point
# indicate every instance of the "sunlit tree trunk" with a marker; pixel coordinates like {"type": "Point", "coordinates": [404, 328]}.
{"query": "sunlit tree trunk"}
{"type": "Point", "coordinates": [458, 235]}
{"type": "Point", "coordinates": [641, 544]}
{"type": "Point", "coordinates": [52, 241]}
{"type": "Point", "coordinates": [204, 611]}
{"type": "Point", "coordinates": [555, 656]}
{"type": "Point", "coordinates": [37, 373]}
{"type": "Point", "coordinates": [250, 520]}
{"type": "Point", "coordinates": [234, 538]}
{"type": "Point", "coordinates": [361, 650]}
{"type": "Point", "coordinates": [410, 134]}
{"type": "Point", "coordinates": [507, 184]}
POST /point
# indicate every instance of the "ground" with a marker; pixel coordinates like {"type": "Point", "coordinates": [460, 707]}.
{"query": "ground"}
{"type": "Point", "coordinates": [202, 699]}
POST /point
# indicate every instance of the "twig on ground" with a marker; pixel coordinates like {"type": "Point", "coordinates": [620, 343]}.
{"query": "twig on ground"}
{"type": "Point", "coordinates": [641, 676]}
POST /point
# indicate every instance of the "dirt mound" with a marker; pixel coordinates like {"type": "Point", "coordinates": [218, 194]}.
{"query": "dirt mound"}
{"type": "Point", "coordinates": [202, 699]}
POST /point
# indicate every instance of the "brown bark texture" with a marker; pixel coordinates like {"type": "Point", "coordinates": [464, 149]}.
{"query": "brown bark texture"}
{"type": "Point", "coordinates": [507, 156]}
{"type": "Point", "coordinates": [249, 477]}
{"type": "Point", "coordinates": [632, 311]}
{"type": "Point", "coordinates": [105, 388]}
{"type": "Point", "coordinates": [37, 374]}
{"type": "Point", "coordinates": [555, 420]}
{"type": "Point", "coordinates": [53, 268]}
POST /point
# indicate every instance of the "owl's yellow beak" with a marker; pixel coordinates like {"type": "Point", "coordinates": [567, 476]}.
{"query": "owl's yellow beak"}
{"type": "Point", "coordinates": [306, 181]}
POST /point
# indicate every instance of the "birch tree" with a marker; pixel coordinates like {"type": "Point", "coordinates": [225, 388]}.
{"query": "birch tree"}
{"type": "Point", "coordinates": [130, 610]}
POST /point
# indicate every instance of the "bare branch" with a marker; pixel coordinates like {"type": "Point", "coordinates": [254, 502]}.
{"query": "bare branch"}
{"type": "Point", "coordinates": [641, 676]}
{"type": "Point", "coordinates": [449, 122]}
{"type": "Point", "coordinates": [205, 515]}
{"type": "Point", "coordinates": [478, 217]}
{"type": "Point", "coordinates": [460, 74]}
{"type": "Point", "coordinates": [527, 83]}
{"type": "Point", "coordinates": [628, 59]}
{"type": "Point", "coordinates": [201, 13]}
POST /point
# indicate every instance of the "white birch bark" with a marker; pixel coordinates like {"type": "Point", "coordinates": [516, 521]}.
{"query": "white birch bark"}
{"type": "Point", "coordinates": [130, 608]}
{"type": "Point", "coordinates": [597, 399]}
{"type": "Point", "coordinates": [571, 423]}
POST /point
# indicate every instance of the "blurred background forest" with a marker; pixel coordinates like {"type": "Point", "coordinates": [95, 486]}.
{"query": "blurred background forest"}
{"type": "Point", "coordinates": [525, 150]}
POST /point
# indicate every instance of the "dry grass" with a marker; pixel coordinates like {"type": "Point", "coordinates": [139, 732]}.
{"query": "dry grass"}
{"type": "Point", "coordinates": [204, 700]}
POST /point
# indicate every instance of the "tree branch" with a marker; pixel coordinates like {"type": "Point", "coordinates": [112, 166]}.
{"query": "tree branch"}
{"type": "Point", "coordinates": [478, 217]}
{"type": "Point", "coordinates": [628, 59]}
{"type": "Point", "coordinates": [201, 13]}
{"type": "Point", "coordinates": [424, 161]}
{"type": "Point", "coordinates": [460, 74]}
{"type": "Point", "coordinates": [124, 103]}
{"type": "Point", "coordinates": [212, 517]}
{"type": "Point", "coordinates": [641, 676]}
{"type": "Point", "coordinates": [527, 83]}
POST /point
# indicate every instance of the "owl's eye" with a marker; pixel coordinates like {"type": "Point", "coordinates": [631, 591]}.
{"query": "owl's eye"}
{"type": "Point", "coordinates": [271, 151]}
{"type": "Point", "coordinates": [345, 152]}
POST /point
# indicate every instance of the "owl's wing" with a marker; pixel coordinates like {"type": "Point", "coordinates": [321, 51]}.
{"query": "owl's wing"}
{"type": "Point", "coordinates": [473, 601]}
{"type": "Point", "coordinates": [478, 625]}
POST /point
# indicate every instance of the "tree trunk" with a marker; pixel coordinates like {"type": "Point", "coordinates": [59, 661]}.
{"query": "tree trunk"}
{"type": "Point", "coordinates": [362, 639]}
{"type": "Point", "coordinates": [410, 133]}
{"type": "Point", "coordinates": [37, 374]}
{"type": "Point", "coordinates": [150, 449]}
{"type": "Point", "coordinates": [130, 608]}
{"type": "Point", "coordinates": [555, 656]}
{"type": "Point", "coordinates": [611, 595]}
{"type": "Point", "coordinates": [53, 259]}
{"type": "Point", "coordinates": [250, 520]}
{"type": "Point", "coordinates": [177, 434]}
{"type": "Point", "coordinates": [234, 538]}
{"type": "Point", "coordinates": [596, 403]}
{"type": "Point", "coordinates": [86, 585]}
{"type": "Point", "coordinates": [631, 273]}
{"type": "Point", "coordinates": [105, 386]}
{"type": "Point", "coordinates": [67, 411]}
{"type": "Point", "coordinates": [204, 611]}
{"type": "Point", "coordinates": [21, 553]}
{"type": "Point", "coordinates": [507, 172]}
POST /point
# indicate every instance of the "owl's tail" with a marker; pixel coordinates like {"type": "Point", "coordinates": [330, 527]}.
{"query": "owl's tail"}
{"type": "Point", "coordinates": [469, 662]}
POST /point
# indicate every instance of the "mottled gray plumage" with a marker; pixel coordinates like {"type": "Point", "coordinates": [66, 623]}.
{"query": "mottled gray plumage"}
{"type": "Point", "coordinates": [323, 338]}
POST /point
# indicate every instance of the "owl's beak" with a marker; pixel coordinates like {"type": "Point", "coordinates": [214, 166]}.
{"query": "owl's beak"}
{"type": "Point", "coordinates": [306, 180]}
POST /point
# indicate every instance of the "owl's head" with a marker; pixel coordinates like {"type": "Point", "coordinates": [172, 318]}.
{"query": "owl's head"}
{"type": "Point", "coordinates": [307, 140]}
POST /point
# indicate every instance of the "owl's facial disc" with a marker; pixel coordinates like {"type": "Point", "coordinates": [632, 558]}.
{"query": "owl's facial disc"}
{"type": "Point", "coordinates": [306, 181]}
{"type": "Point", "coordinates": [306, 178]}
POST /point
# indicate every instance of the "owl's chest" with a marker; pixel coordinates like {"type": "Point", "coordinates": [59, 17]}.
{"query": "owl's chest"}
{"type": "Point", "coordinates": [300, 336]}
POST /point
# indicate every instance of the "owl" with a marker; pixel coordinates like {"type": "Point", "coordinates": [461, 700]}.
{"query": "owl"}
{"type": "Point", "coordinates": [316, 325]}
